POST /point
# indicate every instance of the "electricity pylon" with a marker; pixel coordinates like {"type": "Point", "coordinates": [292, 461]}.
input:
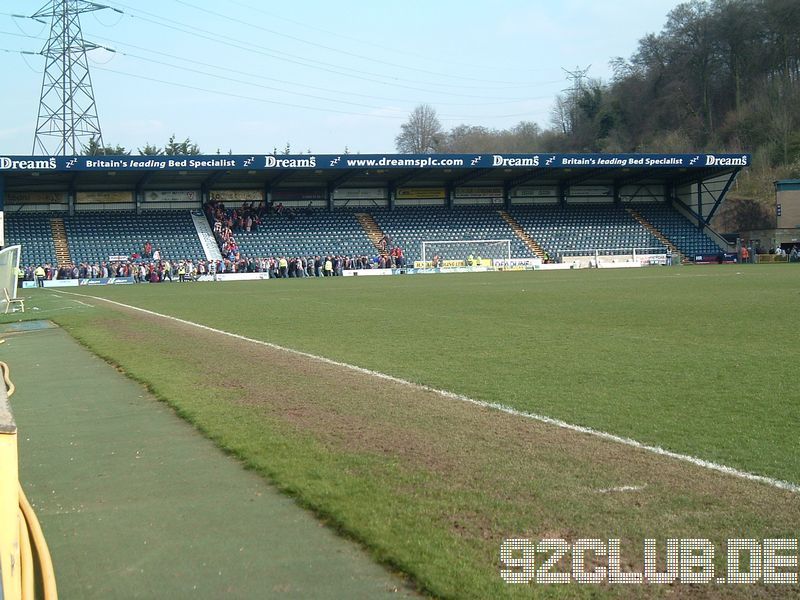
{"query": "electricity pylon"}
{"type": "Point", "coordinates": [67, 110]}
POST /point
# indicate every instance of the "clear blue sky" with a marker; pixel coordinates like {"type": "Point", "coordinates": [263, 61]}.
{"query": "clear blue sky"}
{"type": "Point", "coordinates": [247, 76]}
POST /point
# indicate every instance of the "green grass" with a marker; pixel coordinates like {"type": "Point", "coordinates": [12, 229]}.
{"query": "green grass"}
{"type": "Point", "coordinates": [699, 360]}
{"type": "Point", "coordinates": [134, 503]}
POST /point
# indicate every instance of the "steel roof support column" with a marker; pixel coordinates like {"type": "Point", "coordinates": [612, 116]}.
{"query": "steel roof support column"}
{"type": "Point", "coordinates": [392, 194]}
{"type": "Point", "coordinates": [208, 183]}
{"type": "Point", "coordinates": [138, 195]}
{"type": "Point", "coordinates": [270, 185]}
{"type": "Point", "coordinates": [562, 193]}
{"type": "Point", "coordinates": [721, 196]}
{"type": "Point", "coordinates": [335, 184]}
{"type": "Point", "coordinates": [700, 224]}
{"type": "Point", "coordinates": [71, 196]}
{"type": "Point", "coordinates": [267, 194]}
{"type": "Point", "coordinates": [507, 195]}
{"type": "Point", "coordinates": [402, 180]}
{"type": "Point", "coordinates": [329, 199]}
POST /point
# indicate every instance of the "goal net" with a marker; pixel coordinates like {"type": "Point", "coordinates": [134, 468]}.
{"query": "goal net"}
{"type": "Point", "coordinates": [9, 262]}
{"type": "Point", "coordinates": [461, 250]}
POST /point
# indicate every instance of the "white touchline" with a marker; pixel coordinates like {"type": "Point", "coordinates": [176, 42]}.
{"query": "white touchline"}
{"type": "Point", "coordinates": [777, 483]}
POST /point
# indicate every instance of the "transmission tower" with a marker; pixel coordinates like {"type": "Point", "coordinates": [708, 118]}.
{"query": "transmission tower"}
{"type": "Point", "coordinates": [67, 110]}
{"type": "Point", "coordinates": [576, 77]}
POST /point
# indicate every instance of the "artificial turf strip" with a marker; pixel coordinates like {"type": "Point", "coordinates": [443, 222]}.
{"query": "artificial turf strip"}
{"type": "Point", "coordinates": [135, 504]}
{"type": "Point", "coordinates": [431, 486]}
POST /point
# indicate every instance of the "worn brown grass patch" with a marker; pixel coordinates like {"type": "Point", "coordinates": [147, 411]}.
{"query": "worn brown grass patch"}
{"type": "Point", "coordinates": [476, 474]}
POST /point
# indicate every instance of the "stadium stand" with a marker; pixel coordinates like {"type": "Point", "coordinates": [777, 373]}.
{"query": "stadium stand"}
{"type": "Point", "coordinates": [583, 227]}
{"type": "Point", "coordinates": [581, 217]}
{"type": "Point", "coordinates": [408, 227]}
{"type": "Point", "coordinates": [94, 236]}
{"type": "Point", "coordinates": [32, 231]}
{"type": "Point", "coordinates": [306, 233]}
{"type": "Point", "coordinates": [678, 229]}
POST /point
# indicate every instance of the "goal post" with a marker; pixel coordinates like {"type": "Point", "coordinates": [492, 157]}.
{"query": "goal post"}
{"type": "Point", "coordinates": [9, 263]}
{"type": "Point", "coordinates": [461, 249]}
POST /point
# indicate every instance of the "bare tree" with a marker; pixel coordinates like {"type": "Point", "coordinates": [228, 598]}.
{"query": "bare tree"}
{"type": "Point", "coordinates": [561, 115]}
{"type": "Point", "coordinates": [422, 133]}
{"type": "Point", "coordinates": [525, 136]}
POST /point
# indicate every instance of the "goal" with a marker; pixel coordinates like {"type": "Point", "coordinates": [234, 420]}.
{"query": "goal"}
{"type": "Point", "coordinates": [9, 262]}
{"type": "Point", "coordinates": [461, 249]}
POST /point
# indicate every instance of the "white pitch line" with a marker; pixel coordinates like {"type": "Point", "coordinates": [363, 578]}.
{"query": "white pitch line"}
{"type": "Point", "coordinates": [84, 303]}
{"type": "Point", "coordinates": [706, 464]}
{"type": "Point", "coordinates": [622, 488]}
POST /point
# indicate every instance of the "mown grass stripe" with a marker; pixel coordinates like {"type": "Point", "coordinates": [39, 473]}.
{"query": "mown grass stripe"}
{"type": "Point", "coordinates": [710, 465]}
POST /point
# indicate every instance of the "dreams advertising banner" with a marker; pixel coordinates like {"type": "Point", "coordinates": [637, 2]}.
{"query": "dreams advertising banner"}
{"type": "Point", "coordinates": [269, 162]}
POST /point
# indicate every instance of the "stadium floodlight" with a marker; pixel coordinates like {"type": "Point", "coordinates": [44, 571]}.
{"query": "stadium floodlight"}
{"type": "Point", "coordinates": [460, 249]}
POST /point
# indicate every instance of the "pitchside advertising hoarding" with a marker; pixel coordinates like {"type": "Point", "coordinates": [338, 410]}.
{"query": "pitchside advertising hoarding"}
{"type": "Point", "coordinates": [267, 162]}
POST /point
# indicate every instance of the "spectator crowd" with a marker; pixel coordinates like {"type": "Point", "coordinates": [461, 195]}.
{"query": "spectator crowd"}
{"type": "Point", "coordinates": [247, 218]}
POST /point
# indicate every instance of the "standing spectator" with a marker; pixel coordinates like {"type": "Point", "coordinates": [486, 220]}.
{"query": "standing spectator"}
{"type": "Point", "coordinates": [167, 271]}
{"type": "Point", "coordinates": [39, 274]}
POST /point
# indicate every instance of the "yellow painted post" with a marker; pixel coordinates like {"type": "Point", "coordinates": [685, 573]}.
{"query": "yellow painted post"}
{"type": "Point", "coordinates": [10, 581]}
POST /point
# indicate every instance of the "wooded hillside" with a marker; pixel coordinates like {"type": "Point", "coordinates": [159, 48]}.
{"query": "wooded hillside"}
{"type": "Point", "coordinates": [722, 75]}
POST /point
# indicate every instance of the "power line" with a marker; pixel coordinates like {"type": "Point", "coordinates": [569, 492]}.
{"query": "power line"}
{"type": "Point", "coordinates": [258, 76]}
{"type": "Point", "coordinates": [241, 96]}
{"type": "Point", "coordinates": [380, 112]}
{"type": "Point", "coordinates": [296, 59]}
{"type": "Point", "coordinates": [293, 104]}
{"type": "Point", "coordinates": [406, 52]}
{"type": "Point", "coordinates": [227, 69]}
{"type": "Point", "coordinates": [339, 50]}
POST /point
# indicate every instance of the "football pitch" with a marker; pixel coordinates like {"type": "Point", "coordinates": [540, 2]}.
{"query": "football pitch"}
{"type": "Point", "coordinates": [700, 361]}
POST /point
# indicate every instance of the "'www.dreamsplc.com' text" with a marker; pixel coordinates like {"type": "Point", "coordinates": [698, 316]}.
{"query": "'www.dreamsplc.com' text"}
{"type": "Point", "coordinates": [769, 561]}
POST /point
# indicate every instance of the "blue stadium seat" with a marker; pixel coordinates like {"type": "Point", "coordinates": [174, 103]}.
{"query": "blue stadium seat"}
{"type": "Point", "coordinates": [684, 234]}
